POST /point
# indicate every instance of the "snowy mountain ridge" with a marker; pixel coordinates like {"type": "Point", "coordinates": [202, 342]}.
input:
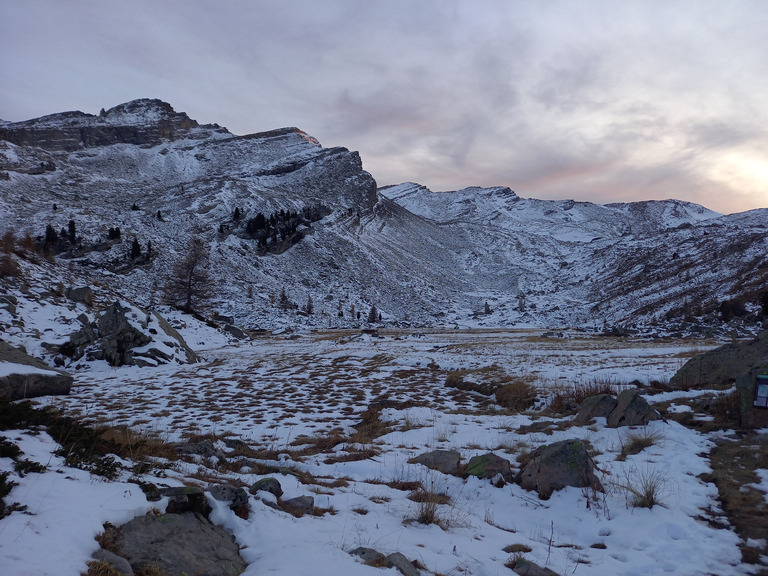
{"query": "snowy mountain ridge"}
{"type": "Point", "coordinates": [420, 257]}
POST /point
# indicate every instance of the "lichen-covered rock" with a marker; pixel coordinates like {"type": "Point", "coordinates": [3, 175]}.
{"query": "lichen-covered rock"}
{"type": "Point", "coordinates": [445, 461]}
{"type": "Point", "coordinates": [555, 466]}
{"type": "Point", "coordinates": [489, 466]}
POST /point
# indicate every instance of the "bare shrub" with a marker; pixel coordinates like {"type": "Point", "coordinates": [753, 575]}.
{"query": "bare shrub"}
{"type": "Point", "coordinates": [517, 395]}
{"type": "Point", "coordinates": [637, 440]}
{"type": "Point", "coordinates": [726, 408]}
{"type": "Point", "coordinates": [8, 267]}
{"type": "Point", "coordinates": [643, 488]}
{"type": "Point", "coordinates": [564, 398]}
{"type": "Point", "coordinates": [8, 241]}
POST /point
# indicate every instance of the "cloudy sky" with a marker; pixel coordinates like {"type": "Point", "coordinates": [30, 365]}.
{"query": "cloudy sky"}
{"type": "Point", "coordinates": [594, 100]}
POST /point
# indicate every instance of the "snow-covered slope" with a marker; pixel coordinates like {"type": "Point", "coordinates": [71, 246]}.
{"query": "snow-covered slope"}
{"type": "Point", "coordinates": [420, 257]}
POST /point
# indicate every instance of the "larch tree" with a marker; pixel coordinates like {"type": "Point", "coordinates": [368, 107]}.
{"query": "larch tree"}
{"type": "Point", "coordinates": [189, 285]}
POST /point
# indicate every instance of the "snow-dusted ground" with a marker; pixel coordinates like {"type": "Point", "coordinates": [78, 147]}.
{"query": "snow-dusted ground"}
{"type": "Point", "coordinates": [269, 392]}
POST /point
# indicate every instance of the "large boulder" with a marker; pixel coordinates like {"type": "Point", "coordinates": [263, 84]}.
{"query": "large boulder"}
{"type": "Point", "coordinates": [23, 376]}
{"type": "Point", "coordinates": [179, 545]}
{"type": "Point", "coordinates": [722, 366]}
{"type": "Point", "coordinates": [555, 466]}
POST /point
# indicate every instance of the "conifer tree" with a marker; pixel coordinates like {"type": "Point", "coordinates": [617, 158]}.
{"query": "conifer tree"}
{"type": "Point", "coordinates": [135, 249]}
{"type": "Point", "coordinates": [189, 285]}
{"type": "Point", "coordinates": [373, 315]}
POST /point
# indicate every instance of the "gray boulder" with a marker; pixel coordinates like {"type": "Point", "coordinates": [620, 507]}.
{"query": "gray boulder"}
{"type": "Point", "coordinates": [631, 410]}
{"type": "Point", "coordinates": [179, 545]}
{"type": "Point", "coordinates": [722, 366]}
{"type": "Point", "coordinates": [29, 377]}
{"type": "Point", "coordinates": [302, 504]}
{"type": "Point", "coordinates": [236, 497]}
{"type": "Point", "coordinates": [445, 461]}
{"type": "Point", "coordinates": [555, 466]}
{"type": "Point", "coordinates": [270, 485]}
{"type": "Point", "coordinates": [83, 294]}
{"type": "Point", "coordinates": [597, 406]}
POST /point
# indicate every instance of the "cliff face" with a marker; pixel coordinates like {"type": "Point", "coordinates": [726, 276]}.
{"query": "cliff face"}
{"type": "Point", "coordinates": [141, 122]}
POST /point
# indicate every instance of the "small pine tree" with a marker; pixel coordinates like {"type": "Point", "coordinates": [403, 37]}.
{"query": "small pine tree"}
{"type": "Point", "coordinates": [134, 207]}
{"type": "Point", "coordinates": [236, 215]}
{"type": "Point", "coordinates": [72, 233]}
{"type": "Point", "coordinates": [135, 249]}
{"type": "Point", "coordinates": [487, 308]}
{"type": "Point", "coordinates": [160, 216]}
{"type": "Point", "coordinates": [373, 315]}
{"type": "Point", "coordinates": [149, 248]}
{"type": "Point", "coordinates": [50, 235]}
{"type": "Point", "coordinates": [309, 307]}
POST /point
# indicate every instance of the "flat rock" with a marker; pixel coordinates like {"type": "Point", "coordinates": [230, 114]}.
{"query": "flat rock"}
{"type": "Point", "coordinates": [445, 461]}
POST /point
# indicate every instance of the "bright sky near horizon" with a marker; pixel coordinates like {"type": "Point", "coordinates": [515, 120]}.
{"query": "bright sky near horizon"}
{"type": "Point", "coordinates": [593, 100]}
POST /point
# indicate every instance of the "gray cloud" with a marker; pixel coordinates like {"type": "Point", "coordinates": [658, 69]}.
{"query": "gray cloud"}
{"type": "Point", "coordinates": [594, 100]}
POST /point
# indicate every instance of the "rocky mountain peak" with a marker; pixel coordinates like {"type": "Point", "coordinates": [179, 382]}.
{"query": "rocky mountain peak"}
{"type": "Point", "coordinates": [144, 122]}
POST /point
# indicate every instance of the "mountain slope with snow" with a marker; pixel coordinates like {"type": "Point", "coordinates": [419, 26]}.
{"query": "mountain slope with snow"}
{"type": "Point", "coordinates": [420, 257]}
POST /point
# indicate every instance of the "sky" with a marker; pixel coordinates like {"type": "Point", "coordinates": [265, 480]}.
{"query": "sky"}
{"type": "Point", "coordinates": [591, 100]}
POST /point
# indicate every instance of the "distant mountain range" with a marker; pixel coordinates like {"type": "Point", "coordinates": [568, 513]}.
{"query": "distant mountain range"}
{"type": "Point", "coordinates": [469, 258]}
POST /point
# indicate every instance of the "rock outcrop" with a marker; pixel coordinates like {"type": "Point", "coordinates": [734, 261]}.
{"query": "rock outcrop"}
{"type": "Point", "coordinates": [739, 364]}
{"type": "Point", "coordinates": [722, 366]}
{"type": "Point", "coordinates": [23, 376]}
{"type": "Point", "coordinates": [142, 122]}
{"type": "Point", "coordinates": [126, 335]}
